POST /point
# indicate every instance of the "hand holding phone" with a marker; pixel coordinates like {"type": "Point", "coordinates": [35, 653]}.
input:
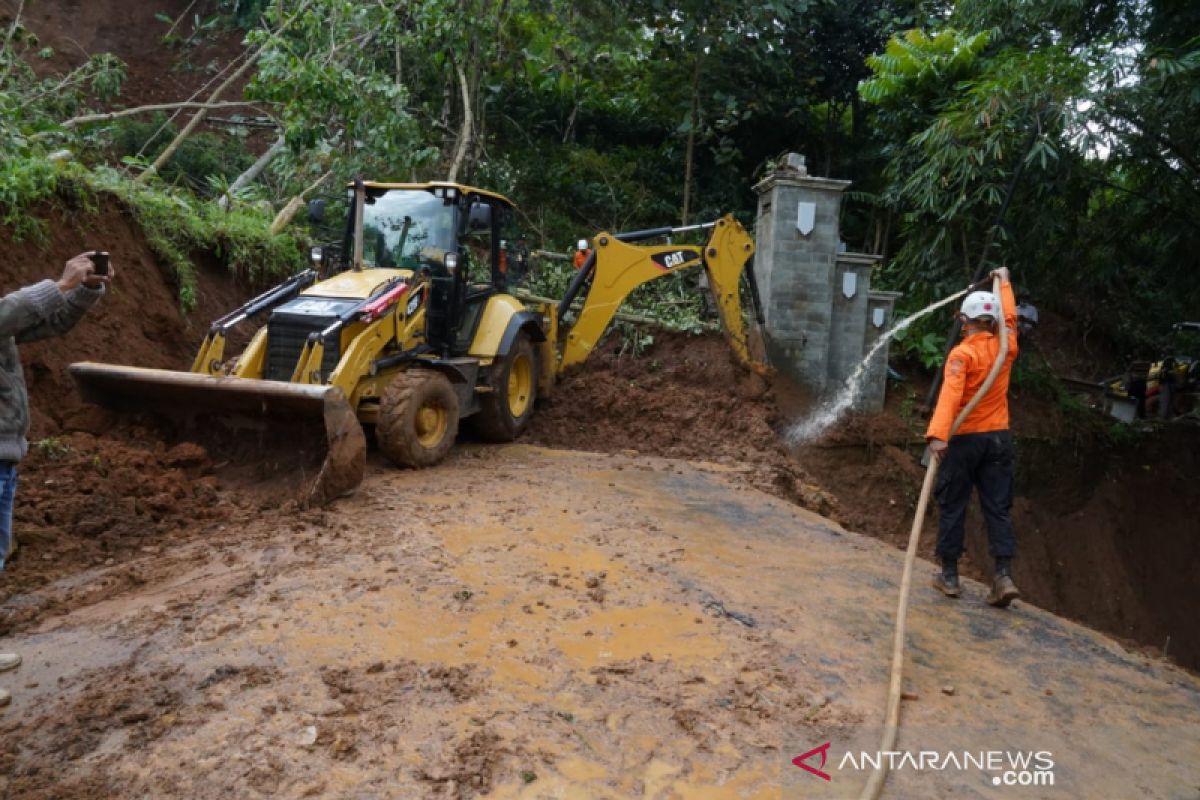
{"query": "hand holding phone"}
{"type": "Point", "coordinates": [99, 261]}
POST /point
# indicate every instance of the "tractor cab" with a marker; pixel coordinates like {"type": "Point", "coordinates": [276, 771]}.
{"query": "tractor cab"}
{"type": "Point", "coordinates": [454, 235]}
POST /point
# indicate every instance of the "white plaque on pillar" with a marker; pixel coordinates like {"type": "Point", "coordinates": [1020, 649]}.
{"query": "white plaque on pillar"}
{"type": "Point", "coordinates": [877, 316]}
{"type": "Point", "coordinates": [849, 284]}
{"type": "Point", "coordinates": [806, 218]}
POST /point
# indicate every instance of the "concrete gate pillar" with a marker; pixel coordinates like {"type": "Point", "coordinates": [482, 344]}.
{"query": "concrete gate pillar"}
{"type": "Point", "coordinates": [820, 312]}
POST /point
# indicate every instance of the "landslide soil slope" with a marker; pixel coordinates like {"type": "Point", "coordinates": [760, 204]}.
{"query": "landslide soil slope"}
{"type": "Point", "coordinates": [156, 71]}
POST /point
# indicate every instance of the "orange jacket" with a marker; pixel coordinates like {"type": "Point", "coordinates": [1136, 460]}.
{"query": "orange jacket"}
{"type": "Point", "coordinates": [966, 368]}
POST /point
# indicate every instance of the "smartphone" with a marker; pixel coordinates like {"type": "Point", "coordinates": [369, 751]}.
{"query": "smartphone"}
{"type": "Point", "coordinates": [100, 261]}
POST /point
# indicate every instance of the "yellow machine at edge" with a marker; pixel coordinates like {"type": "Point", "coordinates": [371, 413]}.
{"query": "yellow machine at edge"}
{"type": "Point", "coordinates": [408, 327]}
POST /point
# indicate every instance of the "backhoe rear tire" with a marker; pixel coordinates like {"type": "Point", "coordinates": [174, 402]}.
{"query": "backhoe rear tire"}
{"type": "Point", "coordinates": [418, 418]}
{"type": "Point", "coordinates": [505, 411]}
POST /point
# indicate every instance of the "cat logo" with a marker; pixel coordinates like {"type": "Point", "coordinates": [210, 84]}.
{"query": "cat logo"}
{"type": "Point", "coordinates": [672, 260]}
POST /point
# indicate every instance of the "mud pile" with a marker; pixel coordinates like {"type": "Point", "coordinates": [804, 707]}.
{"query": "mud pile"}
{"type": "Point", "coordinates": [685, 397]}
{"type": "Point", "coordinates": [87, 501]}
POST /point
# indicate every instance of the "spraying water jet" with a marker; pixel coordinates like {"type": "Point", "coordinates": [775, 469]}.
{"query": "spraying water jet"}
{"type": "Point", "coordinates": [829, 412]}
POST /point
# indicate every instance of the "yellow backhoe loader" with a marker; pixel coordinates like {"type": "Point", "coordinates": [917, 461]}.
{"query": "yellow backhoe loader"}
{"type": "Point", "coordinates": [408, 328]}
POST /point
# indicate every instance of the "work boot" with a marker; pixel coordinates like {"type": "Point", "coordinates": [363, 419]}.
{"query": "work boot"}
{"type": "Point", "coordinates": [5, 698]}
{"type": "Point", "coordinates": [1003, 592]}
{"type": "Point", "coordinates": [946, 580]}
{"type": "Point", "coordinates": [9, 661]}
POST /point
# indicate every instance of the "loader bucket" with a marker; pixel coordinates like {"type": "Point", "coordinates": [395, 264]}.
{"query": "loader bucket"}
{"type": "Point", "coordinates": [247, 409]}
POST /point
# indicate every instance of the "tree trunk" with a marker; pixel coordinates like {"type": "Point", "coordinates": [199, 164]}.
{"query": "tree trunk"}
{"type": "Point", "coordinates": [475, 145]}
{"type": "Point", "coordinates": [289, 211]}
{"type": "Point", "coordinates": [887, 236]}
{"type": "Point", "coordinates": [691, 141]}
{"type": "Point", "coordinates": [248, 177]}
{"type": "Point", "coordinates": [464, 132]}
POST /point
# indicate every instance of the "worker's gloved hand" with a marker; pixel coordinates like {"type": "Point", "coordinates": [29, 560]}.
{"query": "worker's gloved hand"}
{"type": "Point", "coordinates": [938, 448]}
{"type": "Point", "coordinates": [1002, 274]}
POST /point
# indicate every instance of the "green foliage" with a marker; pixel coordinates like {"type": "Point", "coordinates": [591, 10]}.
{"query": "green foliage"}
{"type": "Point", "coordinates": [635, 339]}
{"type": "Point", "coordinates": [245, 13]}
{"type": "Point", "coordinates": [1122, 435]}
{"type": "Point", "coordinates": [1032, 376]}
{"type": "Point", "coordinates": [330, 76]}
{"type": "Point", "coordinates": [924, 343]}
{"type": "Point", "coordinates": [23, 182]}
{"type": "Point", "coordinates": [550, 278]}
{"type": "Point", "coordinates": [908, 410]}
{"type": "Point", "coordinates": [31, 106]}
{"type": "Point", "coordinates": [32, 103]}
{"type": "Point", "coordinates": [916, 63]}
{"type": "Point", "coordinates": [1075, 121]}
{"type": "Point", "coordinates": [202, 160]}
{"type": "Point", "coordinates": [177, 225]}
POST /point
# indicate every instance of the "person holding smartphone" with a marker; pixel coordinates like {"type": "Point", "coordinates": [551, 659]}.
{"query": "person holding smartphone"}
{"type": "Point", "coordinates": [45, 309]}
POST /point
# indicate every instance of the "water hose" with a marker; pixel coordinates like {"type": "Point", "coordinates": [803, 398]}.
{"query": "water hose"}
{"type": "Point", "coordinates": [891, 723]}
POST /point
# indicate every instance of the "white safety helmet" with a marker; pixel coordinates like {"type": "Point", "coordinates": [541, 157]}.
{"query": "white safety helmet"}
{"type": "Point", "coordinates": [981, 304]}
{"type": "Point", "coordinates": [582, 244]}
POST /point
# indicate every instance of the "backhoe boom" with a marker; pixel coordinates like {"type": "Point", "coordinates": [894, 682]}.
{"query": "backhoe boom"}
{"type": "Point", "coordinates": [617, 266]}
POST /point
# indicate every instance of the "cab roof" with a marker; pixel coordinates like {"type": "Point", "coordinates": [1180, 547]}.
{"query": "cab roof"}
{"type": "Point", "coordinates": [463, 188]}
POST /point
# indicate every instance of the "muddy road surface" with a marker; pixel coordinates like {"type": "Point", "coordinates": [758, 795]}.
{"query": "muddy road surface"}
{"type": "Point", "coordinates": [530, 623]}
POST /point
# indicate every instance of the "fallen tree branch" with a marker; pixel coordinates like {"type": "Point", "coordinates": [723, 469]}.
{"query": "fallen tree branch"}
{"type": "Point", "coordinates": [175, 24]}
{"type": "Point", "coordinates": [243, 123]}
{"type": "Point", "coordinates": [253, 172]}
{"type": "Point", "coordinates": [285, 216]}
{"type": "Point", "coordinates": [86, 119]}
{"type": "Point", "coordinates": [195, 121]}
{"type": "Point", "coordinates": [8, 37]}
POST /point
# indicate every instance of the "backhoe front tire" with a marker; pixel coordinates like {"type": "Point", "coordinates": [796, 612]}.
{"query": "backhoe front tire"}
{"type": "Point", "coordinates": [418, 418]}
{"type": "Point", "coordinates": [505, 411]}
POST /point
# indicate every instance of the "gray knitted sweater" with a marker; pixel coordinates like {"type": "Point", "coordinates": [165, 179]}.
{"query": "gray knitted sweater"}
{"type": "Point", "coordinates": [26, 315]}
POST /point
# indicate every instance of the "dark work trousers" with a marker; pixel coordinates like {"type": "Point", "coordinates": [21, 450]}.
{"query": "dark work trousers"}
{"type": "Point", "coordinates": [983, 461]}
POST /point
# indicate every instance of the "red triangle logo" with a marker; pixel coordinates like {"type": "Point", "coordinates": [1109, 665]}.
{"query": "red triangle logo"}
{"type": "Point", "coordinates": [800, 759]}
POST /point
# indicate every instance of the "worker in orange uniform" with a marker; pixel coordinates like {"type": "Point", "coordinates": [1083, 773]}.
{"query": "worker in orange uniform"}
{"type": "Point", "coordinates": [980, 454]}
{"type": "Point", "coordinates": [582, 251]}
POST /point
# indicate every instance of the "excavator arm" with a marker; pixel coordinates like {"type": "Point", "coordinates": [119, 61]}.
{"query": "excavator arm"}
{"type": "Point", "coordinates": [617, 266]}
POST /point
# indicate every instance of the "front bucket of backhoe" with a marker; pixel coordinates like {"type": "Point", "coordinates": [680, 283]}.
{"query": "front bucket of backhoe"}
{"type": "Point", "coordinates": [311, 431]}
